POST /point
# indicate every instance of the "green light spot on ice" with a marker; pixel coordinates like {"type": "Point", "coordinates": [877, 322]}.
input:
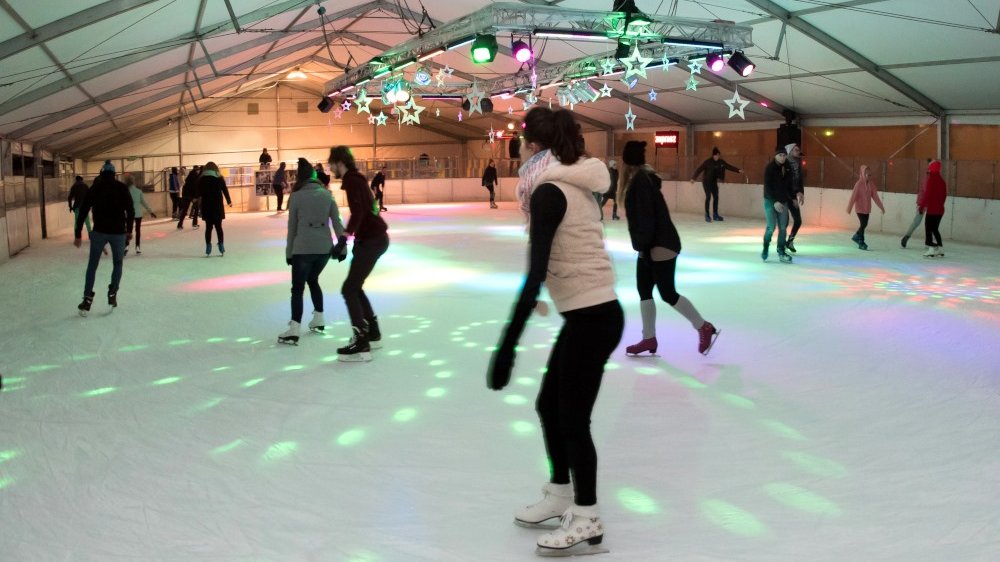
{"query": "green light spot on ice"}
{"type": "Point", "coordinates": [816, 465]}
{"type": "Point", "coordinates": [634, 500]}
{"type": "Point", "coordinates": [4, 482]}
{"type": "Point", "coordinates": [515, 399]}
{"type": "Point", "coordinates": [647, 370]}
{"type": "Point", "coordinates": [294, 368]}
{"type": "Point", "coordinates": [405, 414]}
{"type": "Point", "coordinates": [252, 382]}
{"type": "Point", "coordinates": [8, 454]}
{"type": "Point", "coordinates": [470, 344]}
{"type": "Point", "coordinates": [329, 358]}
{"type": "Point", "coordinates": [217, 369]}
{"type": "Point", "coordinates": [456, 339]}
{"type": "Point", "coordinates": [179, 342]}
{"type": "Point", "coordinates": [228, 446]}
{"type": "Point", "coordinates": [40, 368]}
{"type": "Point", "coordinates": [444, 374]}
{"type": "Point", "coordinates": [14, 380]}
{"type": "Point", "coordinates": [522, 427]}
{"type": "Point", "coordinates": [732, 518]}
{"type": "Point", "coordinates": [418, 355]}
{"type": "Point", "coordinates": [436, 392]}
{"type": "Point", "coordinates": [691, 382]}
{"type": "Point", "coordinates": [168, 380]}
{"type": "Point", "coordinates": [243, 340]}
{"type": "Point", "coordinates": [801, 499]}
{"type": "Point", "coordinates": [214, 340]}
{"type": "Point", "coordinates": [280, 450]}
{"type": "Point", "coordinates": [437, 362]}
{"type": "Point", "coordinates": [395, 352]}
{"type": "Point", "coordinates": [100, 391]}
{"type": "Point", "coordinates": [351, 437]}
{"type": "Point", "coordinates": [739, 401]}
{"type": "Point", "coordinates": [540, 346]}
{"type": "Point", "coordinates": [82, 356]}
{"type": "Point", "coordinates": [210, 403]}
{"type": "Point", "coordinates": [526, 381]}
{"type": "Point", "coordinates": [783, 430]}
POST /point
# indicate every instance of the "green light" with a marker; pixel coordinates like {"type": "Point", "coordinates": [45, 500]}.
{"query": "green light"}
{"type": "Point", "coordinates": [209, 404]}
{"type": "Point", "coordinates": [179, 342]}
{"type": "Point", "coordinates": [168, 380]}
{"type": "Point", "coordinates": [13, 380]}
{"type": "Point", "coordinates": [526, 381]}
{"type": "Point", "coordinates": [443, 374]}
{"type": "Point", "coordinates": [294, 368]}
{"type": "Point", "coordinates": [732, 518]}
{"type": "Point", "coordinates": [419, 355]}
{"type": "Point", "coordinates": [228, 446]}
{"type": "Point", "coordinates": [436, 392]}
{"type": "Point", "coordinates": [351, 437]}
{"type": "Point", "coordinates": [437, 362]}
{"type": "Point", "coordinates": [100, 391]}
{"type": "Point", "coordinates": [691, 382]}
{"type": "Point", "coordinates": [252, 382]}
{"type": "Point", "coordinates": [816, 465]}
{"type": "Point", "coordinates": [394, 352]}
{"type": "Point", "coordinates": [783, 430]}
{"type": "Point", "coordinates": [8, 454]}
{"type": "Point", "coordinates": [217, 369]}
{"type": "Point", "coordinates": [647, 370]}
{"type": "Point", "coordinates": [40, 368]}
{"type": "Point", "coordinates": [82, 356]}
{"type": "Point", "coordinates": [405, 414]}
{"type": "Point", "coordinates": [128, 348]}
{"type": "Point", "coordinates": [329, 358]}
{"type": "Point", "coordinates": [801, 499]}
{"type": "Point", "coordinates": [484, 49]}
{"type": "Point", "coordinates": [243, 340]}
{"type": "Point", "coordinates": [739, 401]}
{"type": "Point", "coordinates": [215, 340]}
{"type": "Point", "coordinates": [522, 427]}
{"type": "Point", "coordinates": [4, 482]}
{"type": "Point", "coordinates": [280, 450]}
{"type": "Point", "coordinates": [634, 500]}
{"type": "Point", "coordinates": [515, 399]}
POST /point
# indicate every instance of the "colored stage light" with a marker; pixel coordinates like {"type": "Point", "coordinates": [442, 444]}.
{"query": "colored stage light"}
{"type": "Point", "coordinates": [484, 49]}
{"type": "Point", "coordinates": [741, 64]}
{"type": "Point", "coordinates": [522, 52]}
{"type": "Point", "coordinates": [715, 62]}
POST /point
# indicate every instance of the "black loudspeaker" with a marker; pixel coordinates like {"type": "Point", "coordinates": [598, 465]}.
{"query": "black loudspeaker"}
{"type": "Point", "coordinates": [514, 148]}
{"type": "Point", "coordinates": [325, 105]}
{"type": "Point", "coordinates": [788, 134]}
{"type": "Point", "coordinates": [486, 105]}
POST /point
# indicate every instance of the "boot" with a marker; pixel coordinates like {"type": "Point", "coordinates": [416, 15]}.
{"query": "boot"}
{"type": "Point", "coordinates": [493, 205]}
{"type": "Point", "coordinates": [580, 532]}
{"type": "Point", "coordinates": [939, 252]}
{"type": "Point", "coordinates": [930, 252]}
{"type": "Point", "coordinates": [291, 335]}
{"type": "Point", "coordinates": [784, 258]}
{"type": "Point", "coordinates": [208, 249]}
{"type": "Point", "coordinates": [718, 217]}
{"type": "Point", "coordinates": [763, 255]}
{"type": "Point", "coordinates": [317, 324]}
{"type": "Point", "coordinates": [556, 499]}
{"type": "Point", "coordinates": [112, 298]}
{"type": "Point", "coordinates": [374, 334]}
{"type": "Point", "coordinates": [707, 335]}
{"type": "Point", "coordinates": [708, 217]}
{"type": "Point", "coordinates": [84, 307]}
{"type": "Point", "coordinates": [358, 349]}
{"type": "Point", "coordinates": [903, 241]}
{"type": "Point", "coordinates": [648, 344]}
{"type": "Point", "coordinates": [614, 217]}
{"type": "Point", "coordinates": [138, 251]}
{"type": "Point", "coordinates": [862, 245]}
{"type": "Point", "coordinates": [856, 238]}
{"type": "Point", "coordinates": [790, 244]}
{"type": "Point", "coordinates": [222, 249]}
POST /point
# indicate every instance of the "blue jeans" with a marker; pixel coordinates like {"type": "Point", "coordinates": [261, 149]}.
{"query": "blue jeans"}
{"type": "Point", "coordinates": [773, 217]}
{"type": "Point", "coordinates": [97, 242]}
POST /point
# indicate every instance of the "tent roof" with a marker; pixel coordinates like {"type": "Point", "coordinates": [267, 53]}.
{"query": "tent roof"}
{"type": "Point", "coordinates": [78, 76]}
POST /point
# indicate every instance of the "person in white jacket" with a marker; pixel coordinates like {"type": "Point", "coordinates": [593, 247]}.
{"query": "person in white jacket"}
{"type": "Point", "coordinates": [311, 211]}
{"type": "Point", "coordinates": [138, 204]}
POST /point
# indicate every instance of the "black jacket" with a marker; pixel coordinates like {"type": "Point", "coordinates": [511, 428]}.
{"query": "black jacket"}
{"type": "Point", "coordinates": [365, 222]}
{"type": "Point", "coordinates": [111, 203]}
{"type": "Point", "coordinates": [212, 189]}
{"type": "Point", "coordinates": [490, 176]}
{"type": "Point", "coordinates": [649, 222]}
{"type": "Point", "coordinates": [190, 189]}
{"type": "Point", "coordinates": [798, 175]}
{"type": "Point", "coordinates": [715, 170]}
{"type": "Point", "coordinates": [778, 182]}
{"type": "Point", "coordinates": [77, 194]}
{"type": "Point", "coordinates": [378, 182]}
{"type": "Point", "coordinates": [613, 188]}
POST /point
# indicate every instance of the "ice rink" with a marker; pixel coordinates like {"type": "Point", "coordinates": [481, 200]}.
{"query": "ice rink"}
{"type": "Point", "coordinates": [850, 410]}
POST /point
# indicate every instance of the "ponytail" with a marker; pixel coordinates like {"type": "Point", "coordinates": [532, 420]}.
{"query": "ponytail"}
{"type": "Point", "coordinates": [556, 131]}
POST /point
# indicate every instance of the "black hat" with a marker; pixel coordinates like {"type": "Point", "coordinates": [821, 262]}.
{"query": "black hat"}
{"type": "Point", "coordinates": [780, 150]}
{"type": "Point", "coordinates": [305, 169]}
{"type": "Point", "coordinates": [715, 150]}
{"type": "Point", "coordinates": [634, 153]}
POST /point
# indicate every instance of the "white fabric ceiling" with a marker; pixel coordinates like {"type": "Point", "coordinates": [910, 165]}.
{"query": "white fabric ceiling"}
{"type": "Point", "coordinates": [84, 75]}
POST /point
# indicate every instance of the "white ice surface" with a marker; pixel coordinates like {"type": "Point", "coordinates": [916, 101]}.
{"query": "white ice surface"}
{"type": "Point", "coordinates": [849, 412]}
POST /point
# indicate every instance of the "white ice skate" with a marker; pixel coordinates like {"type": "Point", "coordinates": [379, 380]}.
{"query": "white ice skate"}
{"type": "Point", "coordinates": [291, 335]}
{"type": "Point", "coordinates": [557, 499]}
{"type": "Point", "coordinates": [580, 533]}
{"type": "Point", "coordinates": [317, 324]}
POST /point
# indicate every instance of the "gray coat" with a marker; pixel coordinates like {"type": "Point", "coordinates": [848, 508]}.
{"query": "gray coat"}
{"type": "Point", "coordinates": [311, 209]}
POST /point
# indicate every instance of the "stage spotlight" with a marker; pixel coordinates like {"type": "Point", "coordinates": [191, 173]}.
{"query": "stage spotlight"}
{"type": "Point", "coordinates": [522, 52]}
{"type": "Point", "coordinates": [325, 105]}
{"type": "Point", "coordinates": [484, 49]}
{"type": "Point", "coordinates": [715, 62]}
{"type": "Point", "coordinates": [486, 104]}
{"type": "Point", "coordinates": [741, 64]}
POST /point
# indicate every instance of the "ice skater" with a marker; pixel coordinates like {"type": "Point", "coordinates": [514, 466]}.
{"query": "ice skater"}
{"type": "Point", "coordinates": [189, 198]}
{"type": "Point", "coordinates": [371, 240]}
{"type": "Point", "coordinates": [211, 189]}
{"type": "Point", "coordinates": [309, 245]}
{"type": "Point", "coordinates": [490, 181]}
{"type": "Point", "coordinates": [612, 192]}
{"type": "Point", "coordinates": [279, 182]}
{"type": "Point", "coordinates": [567, 254]}
{"type": "Point", "coordinates": [655, 237]}
{"type": "Point", "coordinates": [930, 203]}
{"type": "Point", "coordinates": [777, 197]}
{"type": "Point", "coordinates": [919, 216]}
{"type": "Point", "coordinates": [113, 211]}
{"type": "Point", "coordinates": [715, 171]}
{"type": "Point", "coordinates": [378, 188]}
{"type": "Point", "coordinates": [138, 204]}
{"type": "Point", "coordinates": [861, 200]}
{"type": "Point", "coordinates": [798, 190]}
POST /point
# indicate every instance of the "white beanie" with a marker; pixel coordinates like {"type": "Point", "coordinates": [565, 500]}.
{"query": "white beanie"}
{"type": "Point", "coordinates": [789, 147]}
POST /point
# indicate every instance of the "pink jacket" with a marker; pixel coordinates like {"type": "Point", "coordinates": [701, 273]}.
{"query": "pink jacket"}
{"type": "Point", "coordinates": [864, 193]}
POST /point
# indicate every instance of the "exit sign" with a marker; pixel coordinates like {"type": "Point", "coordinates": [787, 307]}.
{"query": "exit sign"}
{"type": "Point", "coordinates": [667, 138]}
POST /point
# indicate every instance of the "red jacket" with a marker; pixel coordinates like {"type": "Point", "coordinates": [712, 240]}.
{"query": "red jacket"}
{"type": "Point", "coordinates": [365, 223]}
{"type": "Point", "coordinates": [934, 192]}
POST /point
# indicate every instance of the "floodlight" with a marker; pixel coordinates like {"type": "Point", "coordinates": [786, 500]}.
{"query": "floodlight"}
{"type": "Point", "coordinates": [741, 64]}
{"type": "Point", "coordinates": [522, 52]}
{"type": "Point", "coordinates": [715, 62]}
{"type": "Point", "coordinates": [484, 49]}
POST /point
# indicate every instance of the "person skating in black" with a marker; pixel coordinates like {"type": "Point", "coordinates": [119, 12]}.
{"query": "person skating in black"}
{"type": "Point", "coordinates": [612, 192]}
{"type": "Point", "coordinates": [279, 183]}
{"type": "Point", "coordinates": [777, 197]}
{"type": "Point", "coordinates": [370, 241]}
{"type": "Point", "coordinates": [798, 192]}
{"type": "Point", "coordinates": [567, 254]}
{"type": "Point", "coordinates": [211, 189]}
{"type": "Point", "coordinates": [715, 171]}
{"type": "Point", "coordinates": [378, 188]}
{"type": "Point", "coordinates": [189, 198]}
{"type": "Point", "coordinates": [490, 181]}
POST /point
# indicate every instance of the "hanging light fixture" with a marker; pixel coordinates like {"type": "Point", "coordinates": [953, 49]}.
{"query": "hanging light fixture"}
{"type": "Point", "coordinates": [484, 49]}
{"type": "Point", "coordinates": [296, 74]}
{"type": "Point", "coordinates": [522, 52]}
{"type": "Point", "coordinates": [715, 62]}
{"type": "Point", "coordinates": [741, 64]}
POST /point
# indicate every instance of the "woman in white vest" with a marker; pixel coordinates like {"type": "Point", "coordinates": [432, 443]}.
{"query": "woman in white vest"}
{"type": "Point", "coordinates": [567, 254]}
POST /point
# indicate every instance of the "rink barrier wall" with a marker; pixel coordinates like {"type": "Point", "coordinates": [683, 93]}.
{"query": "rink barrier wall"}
{"type": "Point", "coordinates": [975, 221]}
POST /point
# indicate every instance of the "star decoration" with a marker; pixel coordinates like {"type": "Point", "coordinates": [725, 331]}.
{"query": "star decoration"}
{"type": "Point", "coordinates": [630, 82]}
{"type": "Point", "coordinates": [380, 119]}
{"type": "Point", "coordinates": [459, 116]}
{"type": "Point", "coordinates": [605, 91]}
{"type": "Point", "coordinates": [665, 61]}
{"type": "Point", "coordinates": [437, 112]}
{"type": "Point", "coordinates": [695, 67]}
{"type": "Point", "coordinates": [442, 74]}
{"type": "Point", "coordinates": [635, 64]}
{"type": "Point", "coordinates": [510, 110]}
{"type": "Point", "coordinates": [652, 94]}
{"type": "Point", "coordinates": [371, 119]}
{"type": "Point", "coordinates": [346, 105]}
{"type": "Point", "coordinates": [733, 101]}
{"type": "Point", "coordinates": [493, 135]}
{"type": "Point", "coordinates": [608, 65]}
{"type": "Point", "coordinates": [362, 102]}
{"type": "Point", "coordinates": [630, 119]}
{"type": "Point", "coordinates": [692, 83]}
{"type": "Point", "coordinates": [534, 79]}
{"type": "Point", "coordinates": [338, 113]}
{"type": "Point", "coordinates": [475, 99]}
{"type": "Point", "coordinates": [411, 112]}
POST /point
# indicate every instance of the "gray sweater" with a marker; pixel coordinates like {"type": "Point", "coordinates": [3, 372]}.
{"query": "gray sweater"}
{"type": "Point", "coordinates": [310, 212]}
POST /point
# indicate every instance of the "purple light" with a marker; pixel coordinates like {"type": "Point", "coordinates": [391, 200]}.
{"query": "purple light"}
{"type": "Point", "coordinates": [522, 52]}
{"type": "Point", "coordinates": [716, 63]}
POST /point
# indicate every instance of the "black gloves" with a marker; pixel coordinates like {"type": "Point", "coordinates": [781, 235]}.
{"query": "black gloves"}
{"type": "Point", "coordinates": [288, 261]}
{"type": "Point", "coordinates": [339, 251]}
{"type": "Point", "coordinates": [501, 365]}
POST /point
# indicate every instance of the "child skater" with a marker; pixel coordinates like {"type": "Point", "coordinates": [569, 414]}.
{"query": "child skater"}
{"type": "Point", "coordinates": [861, 201]}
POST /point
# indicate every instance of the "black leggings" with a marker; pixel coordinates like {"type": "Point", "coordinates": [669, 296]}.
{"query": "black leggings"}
{"type": "Point", "coordinates": [863, 219]}
{"type": "Point", "coordinates": [364, 256]}
{"type": "Point", "coordinates": [280, 193]}
{"type": "Point", "coordinates": [932, 237]}
{"type": "Point", "coordinates": [659, 273]}
{"type": "Point", "coordinates": [138, 230]}
{"type": "Point", "coordinates": [492, 192]}
{"type": "Point", "coordinates": [793, 209]}
{"type": "Point", "coordinates": [711, 190]}
{"type": "Point", "coordinates": [218, 230]}
{"type": "Point", "coordinates": [569, 391]}
{"type": "Point", "coordinates": [614, 204]}
{"type": "Point", "coordinates": [305, 270]}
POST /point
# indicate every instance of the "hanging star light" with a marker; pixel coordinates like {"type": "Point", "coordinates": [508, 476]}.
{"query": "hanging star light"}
{"type": "Point", "coordinates": [652, 94]}
{"type": "Point", "coordinates": [534, 79]}
{"type": "Point", "coordinates": [346, 105]}
{"type": "Point", "coordinates": [338, 113]}
{"type": "Point", "coordinates": [459, 116]}
{"type": "Point", "coordinates": [442, 74]}
{"type": "Point", "coordinates": [362, 102]}
{"type": "Point", "coordinates": [733, 102]}
{"type": "Point", "coordinates": [692, 83]}
{"type": "Point", "coordinates": [605, 91]}
{"type": "Point", "coordinates": [510, 110]}
{"type": "Point", "coordinates": [635, 64]}
{"type": "Point", "coordinates": [493, 135]}
{"type": "Point", "coordinates": [695, 67]}
{"type": "Point", "coordinates": [475, 99]}
{"type": "Point", "coordinates": [381, 118]}
{"type": "Point", "coordinates": [437, 112]}
{"type": "Point", "coordinates": [608, 65]}
{"type": "Point", "coordinates": [665, 61]}
{"type": "Point", "coordinates": [411, 112]}
{"type": "Point", "coordinates": [371, 119]}
{"type": "Point", "coordinates": [630, 119]}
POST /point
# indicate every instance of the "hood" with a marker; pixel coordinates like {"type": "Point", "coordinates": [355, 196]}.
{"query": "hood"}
{"type": "Point", "coordinates": [789, 147]}
{"type": "Point", "coordinates": [588, 174]}
{"type": "Point", "coordinates": [934, 167]}
{"type": "Point", "coordinates": [861, 172]}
